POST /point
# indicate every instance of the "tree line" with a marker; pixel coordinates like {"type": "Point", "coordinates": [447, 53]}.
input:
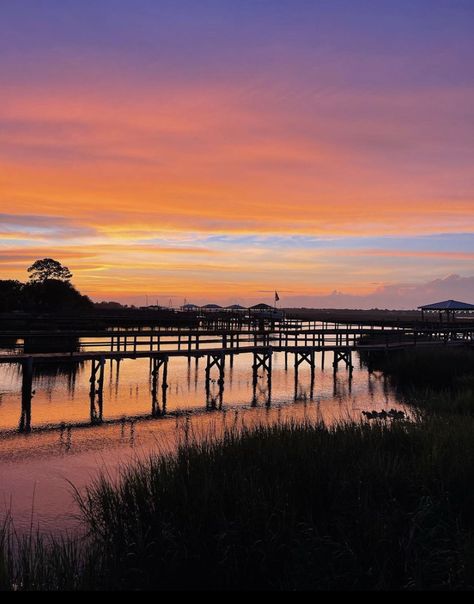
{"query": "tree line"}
{"type": "Point", "coordinates": [48, 289]}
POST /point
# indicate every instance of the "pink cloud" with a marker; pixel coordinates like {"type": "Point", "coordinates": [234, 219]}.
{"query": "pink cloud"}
{"type": "Point", "coordinates": [394, 296]}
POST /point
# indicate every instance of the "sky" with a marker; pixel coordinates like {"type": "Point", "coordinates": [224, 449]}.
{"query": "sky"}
{"type": "Point", "coordinates": [218, 151]}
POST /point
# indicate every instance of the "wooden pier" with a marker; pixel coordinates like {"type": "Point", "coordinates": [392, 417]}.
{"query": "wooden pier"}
{"type": "Point", "coordinates": [194, 339]}
{"type": "Point", "coordinates": [219, 348]}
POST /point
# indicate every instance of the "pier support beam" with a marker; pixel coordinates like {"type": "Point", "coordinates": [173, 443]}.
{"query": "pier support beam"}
{"type": "Point", "coordinates": [26, 395]}
{"type": "Point", "coordinates": [158, 362]}
{"type": "Point", "coordinates": [344, 355]}
{"type": "Point", "coordinates": [96, 393]}
{"type": "Point", "coordinates": [262, 360]}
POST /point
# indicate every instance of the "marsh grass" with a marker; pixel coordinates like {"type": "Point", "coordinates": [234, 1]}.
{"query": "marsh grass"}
{"type": "Point", "coordinates": [289, 506]}
{"type": "Point", "coordinates": [33, 562]}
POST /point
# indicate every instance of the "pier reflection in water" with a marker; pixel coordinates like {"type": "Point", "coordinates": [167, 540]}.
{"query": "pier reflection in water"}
{"type": "Point", "coordinates": [53, 391]}
{"type": "Point", "coordinates": [36, 467]}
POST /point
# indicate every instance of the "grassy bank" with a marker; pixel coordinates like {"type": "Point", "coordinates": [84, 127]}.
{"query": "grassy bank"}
{"type": "Point", "coordinates": [283, 507]}
{"type": "Point", "coordinates": [439, 380]}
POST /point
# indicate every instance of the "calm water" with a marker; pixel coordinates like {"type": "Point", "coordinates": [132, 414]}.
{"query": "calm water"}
{"type": "Point", "coordinates": [36, 469]}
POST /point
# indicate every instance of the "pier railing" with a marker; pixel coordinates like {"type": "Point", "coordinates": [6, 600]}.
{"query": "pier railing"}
{"type": "Point", "coordinates": [151, 340]}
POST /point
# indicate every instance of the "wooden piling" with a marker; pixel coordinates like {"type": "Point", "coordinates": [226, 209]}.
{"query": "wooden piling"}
{"type": "Point", "coordinates": [26, 395]}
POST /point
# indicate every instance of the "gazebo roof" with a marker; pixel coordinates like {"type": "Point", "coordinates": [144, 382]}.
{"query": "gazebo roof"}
{"type": "Point", "coordinates": [261, 306]}
{"type": "Point", "coordinates": [211, 306]}
{"type": "Point", "coordinates": [236, 307]}
{"type": "Point", "coordinates": [448, 305]}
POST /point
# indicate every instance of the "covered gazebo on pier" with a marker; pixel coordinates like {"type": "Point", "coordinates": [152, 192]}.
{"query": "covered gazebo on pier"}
{"type": "Point", "coordinates": [449, 307]}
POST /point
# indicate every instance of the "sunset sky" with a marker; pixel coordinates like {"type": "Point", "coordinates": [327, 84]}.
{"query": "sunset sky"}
{"type": "Point", "coordinates": [219, 150]}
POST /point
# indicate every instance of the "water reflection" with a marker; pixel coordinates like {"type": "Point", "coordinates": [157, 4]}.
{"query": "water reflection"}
{"type": "Point", "coordinates": [49, 374]}
{"type": "Point", "coordinates": [77, 423]}
{"type": "Point", "coordinates": [74, 392]}
{"type": "Point", "coordinates": [262, 390]}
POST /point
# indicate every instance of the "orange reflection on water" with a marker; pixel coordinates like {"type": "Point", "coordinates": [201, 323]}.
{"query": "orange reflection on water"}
{"type": "Point", "coordinates": [37, 467]}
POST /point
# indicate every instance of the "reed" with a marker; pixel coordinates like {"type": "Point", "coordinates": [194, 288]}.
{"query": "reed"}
{"type": "Point", "coordinates": [380, 505]}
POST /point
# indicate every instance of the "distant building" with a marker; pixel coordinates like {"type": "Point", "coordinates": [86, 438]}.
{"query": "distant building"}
{"type": "Point", "coordinates": [211, 307]}
{"type": "Point", "coordinates": [190, 307]}
{"type": "Point", "coordinates": [261, 306]}
{"type": "Point", "coordinates": [450, 308]}
{"type": "Point", "coordinates": [265, 311]}
{"type": "Point", "coordinates": [236, 307]}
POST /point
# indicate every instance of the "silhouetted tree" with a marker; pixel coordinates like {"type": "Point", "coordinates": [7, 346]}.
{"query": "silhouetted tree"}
{"type": "Point", "coordinates": [46, 269]}
{"type": "Point", "coordinates": [10, 295]}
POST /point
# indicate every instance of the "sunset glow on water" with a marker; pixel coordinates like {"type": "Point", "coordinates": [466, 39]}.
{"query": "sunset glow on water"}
{"type": "Point", "coordinates": [36, 468]}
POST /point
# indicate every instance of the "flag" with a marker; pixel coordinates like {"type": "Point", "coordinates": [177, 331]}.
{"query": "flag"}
{"type": "Point", "coordinates": [277, 297]}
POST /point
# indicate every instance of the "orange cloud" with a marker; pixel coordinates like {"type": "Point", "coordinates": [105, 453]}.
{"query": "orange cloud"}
{"type": "Point", "coordinates": [182, 162]}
